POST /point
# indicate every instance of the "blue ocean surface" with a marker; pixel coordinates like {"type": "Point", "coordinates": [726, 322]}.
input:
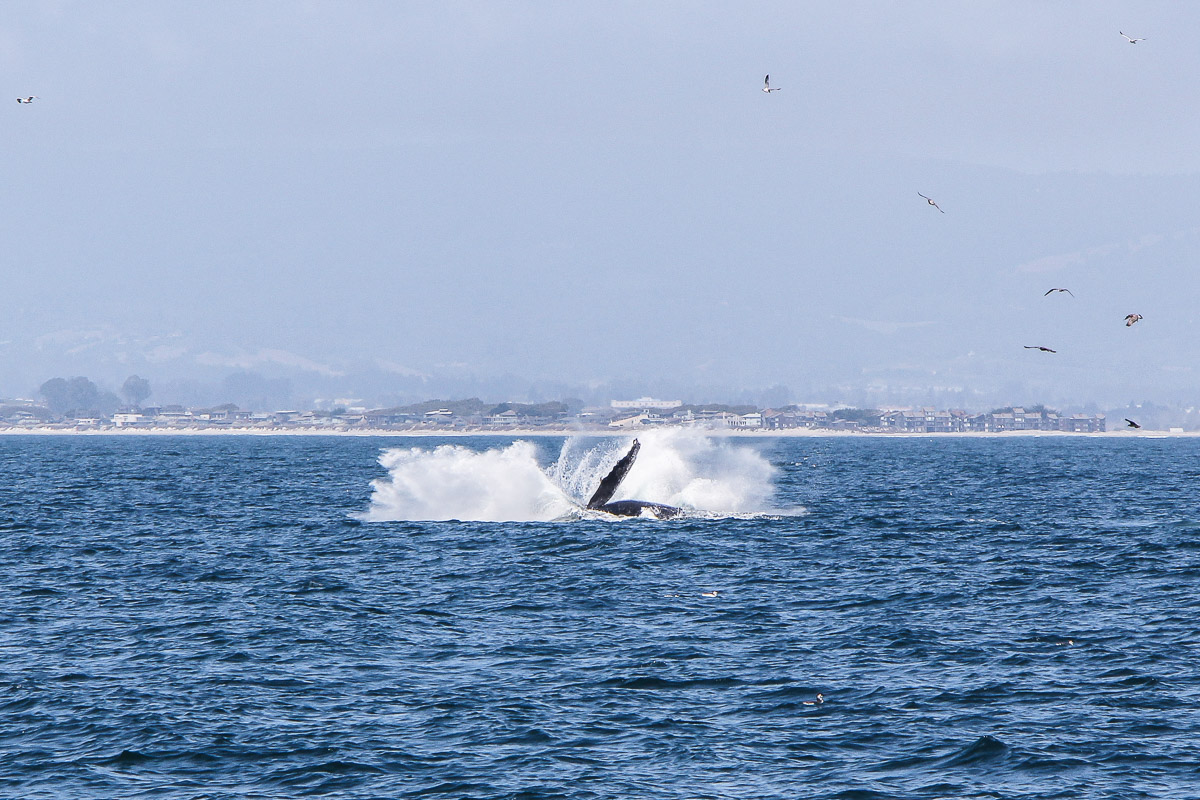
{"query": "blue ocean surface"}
{"type": "Point", "coordinates": [266, 617]}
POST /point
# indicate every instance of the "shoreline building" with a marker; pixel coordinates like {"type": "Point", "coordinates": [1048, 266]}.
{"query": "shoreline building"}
{"type": "Point", "coordinates": [646, 404]}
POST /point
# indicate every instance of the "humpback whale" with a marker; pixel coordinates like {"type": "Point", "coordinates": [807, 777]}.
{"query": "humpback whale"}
{"type": "Point", "coordinates": [601, 499]}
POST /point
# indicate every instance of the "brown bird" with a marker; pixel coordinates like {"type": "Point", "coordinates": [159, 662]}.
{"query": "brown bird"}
{"type": "Point", "coordinates": [1039, 347]}
{"type": "Point", "coordinates": [1132, 424]}
{"type": "Point", "coordinates": [930, 201]}
{"type": "Point", "coordinates": [1131, 318]}
{"type": "Point", "coordinates": [1068, 291]}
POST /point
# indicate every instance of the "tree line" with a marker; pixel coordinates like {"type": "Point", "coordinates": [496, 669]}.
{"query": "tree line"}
{"type": "Point", "coordinates": [80, 396]}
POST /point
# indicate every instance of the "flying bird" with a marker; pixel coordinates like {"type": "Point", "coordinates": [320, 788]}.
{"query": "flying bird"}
{"type": "Point", "coordinates": [930, 201]}
{"type": "Point", "coordinates": [1132, 424]}
{"type": "Point", "coordinates": [1039, 347]}
{"type": "Point", "coordinates": [1131, 40]}
{"type": "Point", "coordinates": [767, 87]}
{"type": "Point", "coordinates": [27, 100]}
{"type": "Point", "coordinates": [1131, 318]}
{"type": "Point", "coordinates": [1068, 291]}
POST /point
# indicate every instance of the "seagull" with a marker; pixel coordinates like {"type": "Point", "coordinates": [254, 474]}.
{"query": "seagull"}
{"type": "Point", "coordinates": [1068, 291]}
{"type": "Point", "coordinates": [27, 100]}
{"type": "Point", "coordinates": [1039, 347]}
{"type": "Point", "coordinates": [1132, 424]}
{"type": "Point", "coordinates": [820, 699]}
{"type": "Point", "coordinates": [930, 201]}
{"type": "Point", "coordinates": [1131, 40]}
{"type": "Point", "coordinates": [767, 86]}
{"type": "Point", "coordinates": [1131, 318]}
{"type": "Point", "coordinates": [709, 594]}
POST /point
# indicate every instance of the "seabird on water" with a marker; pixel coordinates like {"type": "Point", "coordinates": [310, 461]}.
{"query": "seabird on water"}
{"type": "Point", "coordinates": [768, 88]}
{"type": "Point", "coordinates": [1068, 291]}
{"type": "Point", "coordinates": [1131, 40]}
{"type": "Point", "coordinates": [930, 201]}
{"type": "Point", "coordinates": [1039, 347]}
{"type": "Point", "coordinates": [1132, 424]}
{"type": "Point", "coordinates": [820, 699]}
{"type": "Point", "coordinates": [1131, 318]}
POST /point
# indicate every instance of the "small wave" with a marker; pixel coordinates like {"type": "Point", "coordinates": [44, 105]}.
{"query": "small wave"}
{"type": "Point", "coordinates": [645, 682]}
{"type": "Point", "coordinates": [984, 750]}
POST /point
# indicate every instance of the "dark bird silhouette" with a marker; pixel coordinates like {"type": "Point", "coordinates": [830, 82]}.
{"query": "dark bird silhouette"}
{"type": "Point", "coordinates": [930, 201]}
{"type": "Point", "coordinates": [1131, 318]}
{"type": "Point", "coordinates": [768, 88]}
{"type": "Point", "coordinates": [1039, 347]}
{"type": "Point", "coordinates": [1052, 291]}
{"type": "Point", "coordinates": [1131, 40]}
{"type": "Point", "coordinates": [1132, 424]}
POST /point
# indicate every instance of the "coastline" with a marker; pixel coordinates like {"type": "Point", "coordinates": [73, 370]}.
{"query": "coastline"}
{"type": "Point", "coordinates": [568, 432]}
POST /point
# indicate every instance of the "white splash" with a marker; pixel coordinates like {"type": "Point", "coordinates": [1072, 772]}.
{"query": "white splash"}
{"type": "Point", "coordinates": [452, 482]}
{"type": "Point", "coordinates": [678, 467]}
{"type": "Point", "coordinates": [683, 467]}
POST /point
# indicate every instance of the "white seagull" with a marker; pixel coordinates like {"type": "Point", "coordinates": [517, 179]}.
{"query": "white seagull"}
{"type": "Point", "coordinates": [27, 100]}
{"type": "Point", "coordinates": [1131, 40]}
{"type": "Point", "coordinates": [930, 201]}
{"type": "Point", "coordinates": [767, 86]}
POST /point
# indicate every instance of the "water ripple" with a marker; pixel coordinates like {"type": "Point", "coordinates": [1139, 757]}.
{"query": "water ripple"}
{"type": "Point", "coordinates": [983, 618]}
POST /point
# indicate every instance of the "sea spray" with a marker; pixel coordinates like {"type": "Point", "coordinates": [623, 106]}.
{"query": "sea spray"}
{"type": "Point", "coordinates": [687, 468]}
{"type": "Point", "coordinates": [679, 467]}
{"type": "Point", "coordinates": [453, 482]}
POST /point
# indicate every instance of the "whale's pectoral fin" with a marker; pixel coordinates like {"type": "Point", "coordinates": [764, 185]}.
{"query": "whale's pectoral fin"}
{"type": "Point", "coordinates": [608, 486]}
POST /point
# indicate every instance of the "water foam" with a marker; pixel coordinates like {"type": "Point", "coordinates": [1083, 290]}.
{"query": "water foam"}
{"type": "Point", "coordinates": [677, 467]}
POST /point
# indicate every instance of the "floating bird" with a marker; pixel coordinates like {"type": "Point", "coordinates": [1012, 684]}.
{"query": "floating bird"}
{"type": "Point", "coordinates": [709, 594]}
{"type": "Point", "coordinates": [767, 87]}
{"type": "Point", "coordinates": [1039, 347]}
{"type": "Point", "coordinates": [1132, 424]}
{"type": "Point", "coordinates": [27, 100]}
{"type": "Point", "coordinates": [1131, 318]}
{"type": "Point", "coordinates": [1068, 291]}
{"type": "Point", "coordinates": [1131, 40]}
{"type": "Point", "coordinates": [1067, 643]}
{"type": "Point", "coordinates": [820, 699]}
{"type": "Point", "coordinates": [930, 201]}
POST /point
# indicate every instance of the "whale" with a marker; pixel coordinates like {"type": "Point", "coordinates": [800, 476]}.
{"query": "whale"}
{"type": "Point", "coordinates": [601, 499]}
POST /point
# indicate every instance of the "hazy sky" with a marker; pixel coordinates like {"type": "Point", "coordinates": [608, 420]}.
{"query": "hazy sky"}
{"type": "Point", "coordinates": [599, 192]}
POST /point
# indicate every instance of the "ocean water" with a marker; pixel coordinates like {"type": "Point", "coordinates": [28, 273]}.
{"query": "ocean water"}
{"type": "Point", "coordinates": [279, 617]}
